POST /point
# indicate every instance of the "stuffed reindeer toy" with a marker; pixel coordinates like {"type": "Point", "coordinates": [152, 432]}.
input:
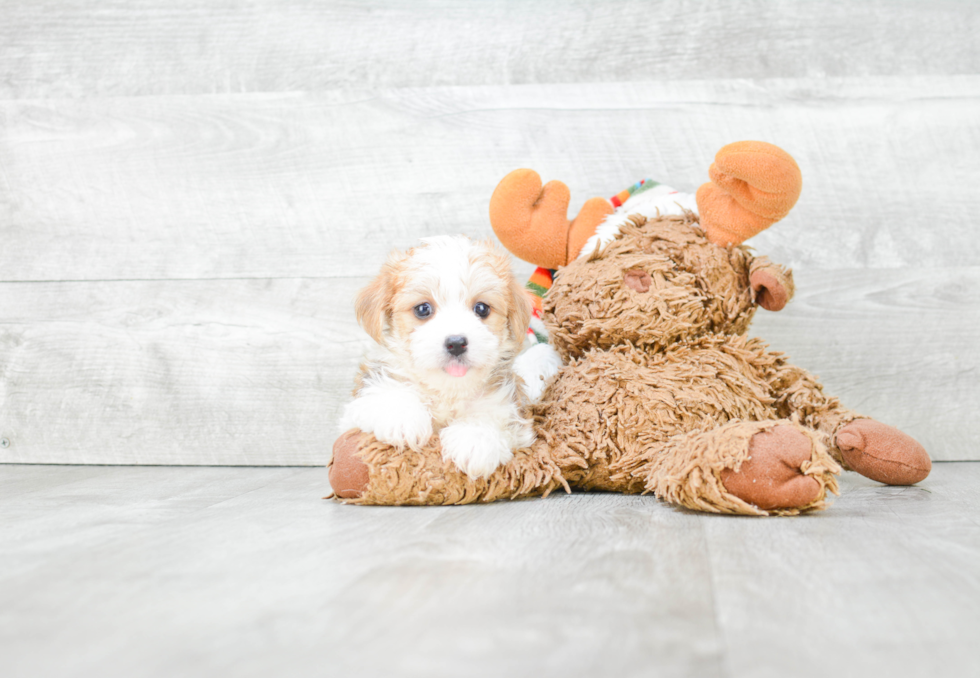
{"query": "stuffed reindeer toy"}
{"type": "Point", "coordinates": [639, 374]}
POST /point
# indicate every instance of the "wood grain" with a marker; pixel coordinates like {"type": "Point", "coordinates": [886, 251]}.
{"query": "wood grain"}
{"type": "Point", "coordinates": [897, 345]}
{"type": "Point", "coordinates": [191, 192]}
{"type": "Point", "coordinates": [285, 185]}
{"type": "Point", "coordinates": [62, 48]}
{"type": "Point", "coordinates": [256, 371]}
{"type": "Point", "coordinates": [192, 372]}
{"type": "Point", "coordinates": [156, 571]}
{"type": "Point", "coordinates": [888, 575]}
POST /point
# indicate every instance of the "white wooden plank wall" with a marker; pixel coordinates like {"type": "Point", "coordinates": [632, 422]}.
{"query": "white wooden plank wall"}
{"type": "Point", "coordinates": [191, 193]}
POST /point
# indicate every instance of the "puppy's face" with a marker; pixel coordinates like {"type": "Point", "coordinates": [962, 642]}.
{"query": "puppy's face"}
{"type": "Point", "coordinates": [451, 308]}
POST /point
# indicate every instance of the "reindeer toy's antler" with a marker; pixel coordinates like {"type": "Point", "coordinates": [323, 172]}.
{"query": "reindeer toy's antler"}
{"type": "Point", "coordinates": [531, 221]}
{"type": "Point", "coordinates": [753, 185]}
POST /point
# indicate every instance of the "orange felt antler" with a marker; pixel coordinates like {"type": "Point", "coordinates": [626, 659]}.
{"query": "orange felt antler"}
{"type": "Point", "coordinates": [753, 185]}
{"type": "Point", "coordinates": [531, 221]}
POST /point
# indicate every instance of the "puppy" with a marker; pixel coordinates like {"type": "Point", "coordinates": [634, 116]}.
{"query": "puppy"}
{"type": "Point", "coordinates": [449, 319]}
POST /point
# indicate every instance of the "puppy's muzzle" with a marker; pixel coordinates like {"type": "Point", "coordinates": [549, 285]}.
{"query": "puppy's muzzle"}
{"type": "Point", "coordinates": [455, 345]}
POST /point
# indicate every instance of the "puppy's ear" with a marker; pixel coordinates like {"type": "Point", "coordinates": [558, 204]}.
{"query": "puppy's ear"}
{"type": "Point", "coordinates": [519, 312]}
{"type": "Point", "coordinates": [373, 303]}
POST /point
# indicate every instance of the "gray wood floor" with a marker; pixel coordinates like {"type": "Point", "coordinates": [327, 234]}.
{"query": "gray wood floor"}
{"type": "Point", "coordinates": [156, 571]}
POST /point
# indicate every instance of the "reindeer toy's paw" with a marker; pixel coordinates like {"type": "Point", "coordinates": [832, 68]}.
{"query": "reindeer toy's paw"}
{"type": "Point", "coordinates": [883, 453]}
{"type": "Point", "coordinates": [348, 474]}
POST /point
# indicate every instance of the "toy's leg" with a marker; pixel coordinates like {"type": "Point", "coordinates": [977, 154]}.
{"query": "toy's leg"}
{"type": "Point", "coordinates": [752, 468]}
{"type": "Point", "coordinates": [882, 452]}
{"type": "Point", "coordinates": [365, 471]}
{"type": "Point", "coordinates": [873, 449]}
{"type": "Point", "coordinates": [799, 395]}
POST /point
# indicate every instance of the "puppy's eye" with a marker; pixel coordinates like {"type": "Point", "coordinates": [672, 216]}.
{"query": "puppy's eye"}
{"type": "Point", "coordinates": [481, 309]}
{"type": "Point", "coordinates": [423, 310]}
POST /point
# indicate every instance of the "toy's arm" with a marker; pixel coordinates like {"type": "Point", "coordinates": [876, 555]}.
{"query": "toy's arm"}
{"type": "Point", "coordinates": [772, 284]}
{"type": "Point", "coordinates": [537, 368]}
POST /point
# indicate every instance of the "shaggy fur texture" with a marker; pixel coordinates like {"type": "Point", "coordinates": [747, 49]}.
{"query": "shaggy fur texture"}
{"type": "Point", "coordinates": [449, 319]}
{"type": "Point", "coordinates": [690, 287]}
{"type": "Point", "coordinates": [661, 391]}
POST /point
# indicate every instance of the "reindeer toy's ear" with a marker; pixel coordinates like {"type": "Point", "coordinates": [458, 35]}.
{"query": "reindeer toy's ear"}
{"type": "Point", "coordinates": [753, 185]}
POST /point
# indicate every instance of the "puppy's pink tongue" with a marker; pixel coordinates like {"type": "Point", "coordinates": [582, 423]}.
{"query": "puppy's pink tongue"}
{"type": "Point", "coordinates": [456, 370]}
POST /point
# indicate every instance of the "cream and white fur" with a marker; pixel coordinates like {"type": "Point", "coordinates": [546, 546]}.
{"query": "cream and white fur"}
{"type": "Point", "coordinates": [412, 387]}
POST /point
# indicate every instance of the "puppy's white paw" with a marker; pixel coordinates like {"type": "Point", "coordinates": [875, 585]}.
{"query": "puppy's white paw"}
{"type": "Point", "coordinates": [396, 418]}
{"type": "Point", "coordinates": [537, 367]}
{"type": "Point", "coordinates": [476, 449]}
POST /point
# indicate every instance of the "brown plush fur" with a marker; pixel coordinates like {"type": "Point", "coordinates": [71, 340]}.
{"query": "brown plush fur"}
{"type": "Point", "coordinates": [661, 391]}
{"type": "Point", "coordinates": [695, 288]}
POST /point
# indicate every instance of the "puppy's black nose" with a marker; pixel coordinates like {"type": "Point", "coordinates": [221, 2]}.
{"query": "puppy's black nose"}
{"type": "Point", "coordinates": [456, 345]}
